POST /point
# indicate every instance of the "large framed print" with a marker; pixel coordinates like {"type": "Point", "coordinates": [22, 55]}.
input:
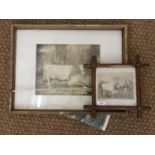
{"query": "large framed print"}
{"type": "Point", "coordinates": [48, 64]}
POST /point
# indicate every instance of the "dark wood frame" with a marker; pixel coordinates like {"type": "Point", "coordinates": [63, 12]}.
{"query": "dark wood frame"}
{"type": "Point", "coordinates": [98, 108]}
{"type": "Point", "coordinates": [16, 27]}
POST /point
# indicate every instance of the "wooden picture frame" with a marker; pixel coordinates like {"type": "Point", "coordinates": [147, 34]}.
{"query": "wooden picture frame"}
{"type": "Point", "coordinates": [72, 27]}
{"type": "Point", "coordinates": [116, 108]}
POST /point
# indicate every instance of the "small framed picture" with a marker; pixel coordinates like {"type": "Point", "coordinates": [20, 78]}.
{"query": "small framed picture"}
{"type": "Point", "coordinates": [116, 86]}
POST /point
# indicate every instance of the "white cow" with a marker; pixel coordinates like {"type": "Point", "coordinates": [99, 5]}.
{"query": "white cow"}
{"type": "Point", "coordinates": [111, 88]}
{"type": "Point", "coordinates": [107, 88]}
{"type": "Point", "coordinates": [60, 72]}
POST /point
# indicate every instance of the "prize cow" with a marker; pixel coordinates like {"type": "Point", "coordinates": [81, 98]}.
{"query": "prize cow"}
{"type": "Point", "coordinates": [69, 73]}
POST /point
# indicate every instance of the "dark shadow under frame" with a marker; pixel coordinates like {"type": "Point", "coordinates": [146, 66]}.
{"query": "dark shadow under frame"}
{"type": "Point", "coordinates": [98, 108]}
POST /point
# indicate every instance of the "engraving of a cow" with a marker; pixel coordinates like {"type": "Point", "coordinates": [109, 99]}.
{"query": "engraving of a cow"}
{"type": "Point", "coordinates": [62, 73]}
{"type": "Point", "coordinates": [107, 89]}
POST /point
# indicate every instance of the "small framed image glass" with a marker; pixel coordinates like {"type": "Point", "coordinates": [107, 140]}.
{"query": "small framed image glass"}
{"type": "Point", "coordinates": [116, 86]}
{"type": "Point", "coordinates": [47, 63]}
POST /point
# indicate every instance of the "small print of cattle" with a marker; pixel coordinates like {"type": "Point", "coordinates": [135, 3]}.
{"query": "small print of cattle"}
{"type": "Point", "coordinates": [60, 69]}
{"type": "Point", "coordinates": [116, 86]}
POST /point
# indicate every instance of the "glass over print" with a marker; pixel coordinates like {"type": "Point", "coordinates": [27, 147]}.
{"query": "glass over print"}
{"type": "Point", "coordinates": [36, 48]}
{"type": "Point", "coordinates": [116, 86]}
{"type": "Point", "coordinates": [60, 68]}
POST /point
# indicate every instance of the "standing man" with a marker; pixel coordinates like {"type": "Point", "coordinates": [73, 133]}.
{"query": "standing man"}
{"type": "Point", "coordinates": [125, 88]}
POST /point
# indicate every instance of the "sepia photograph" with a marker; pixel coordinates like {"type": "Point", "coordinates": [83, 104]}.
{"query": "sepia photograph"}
{"type": "Point", "coordinates": [60, 68]}
{"type": "Point", "coordinates": [116, 83]}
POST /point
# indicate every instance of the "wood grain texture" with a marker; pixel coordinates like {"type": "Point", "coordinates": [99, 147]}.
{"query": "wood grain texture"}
{"type": "Point", "coordinates": [141, 40]}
